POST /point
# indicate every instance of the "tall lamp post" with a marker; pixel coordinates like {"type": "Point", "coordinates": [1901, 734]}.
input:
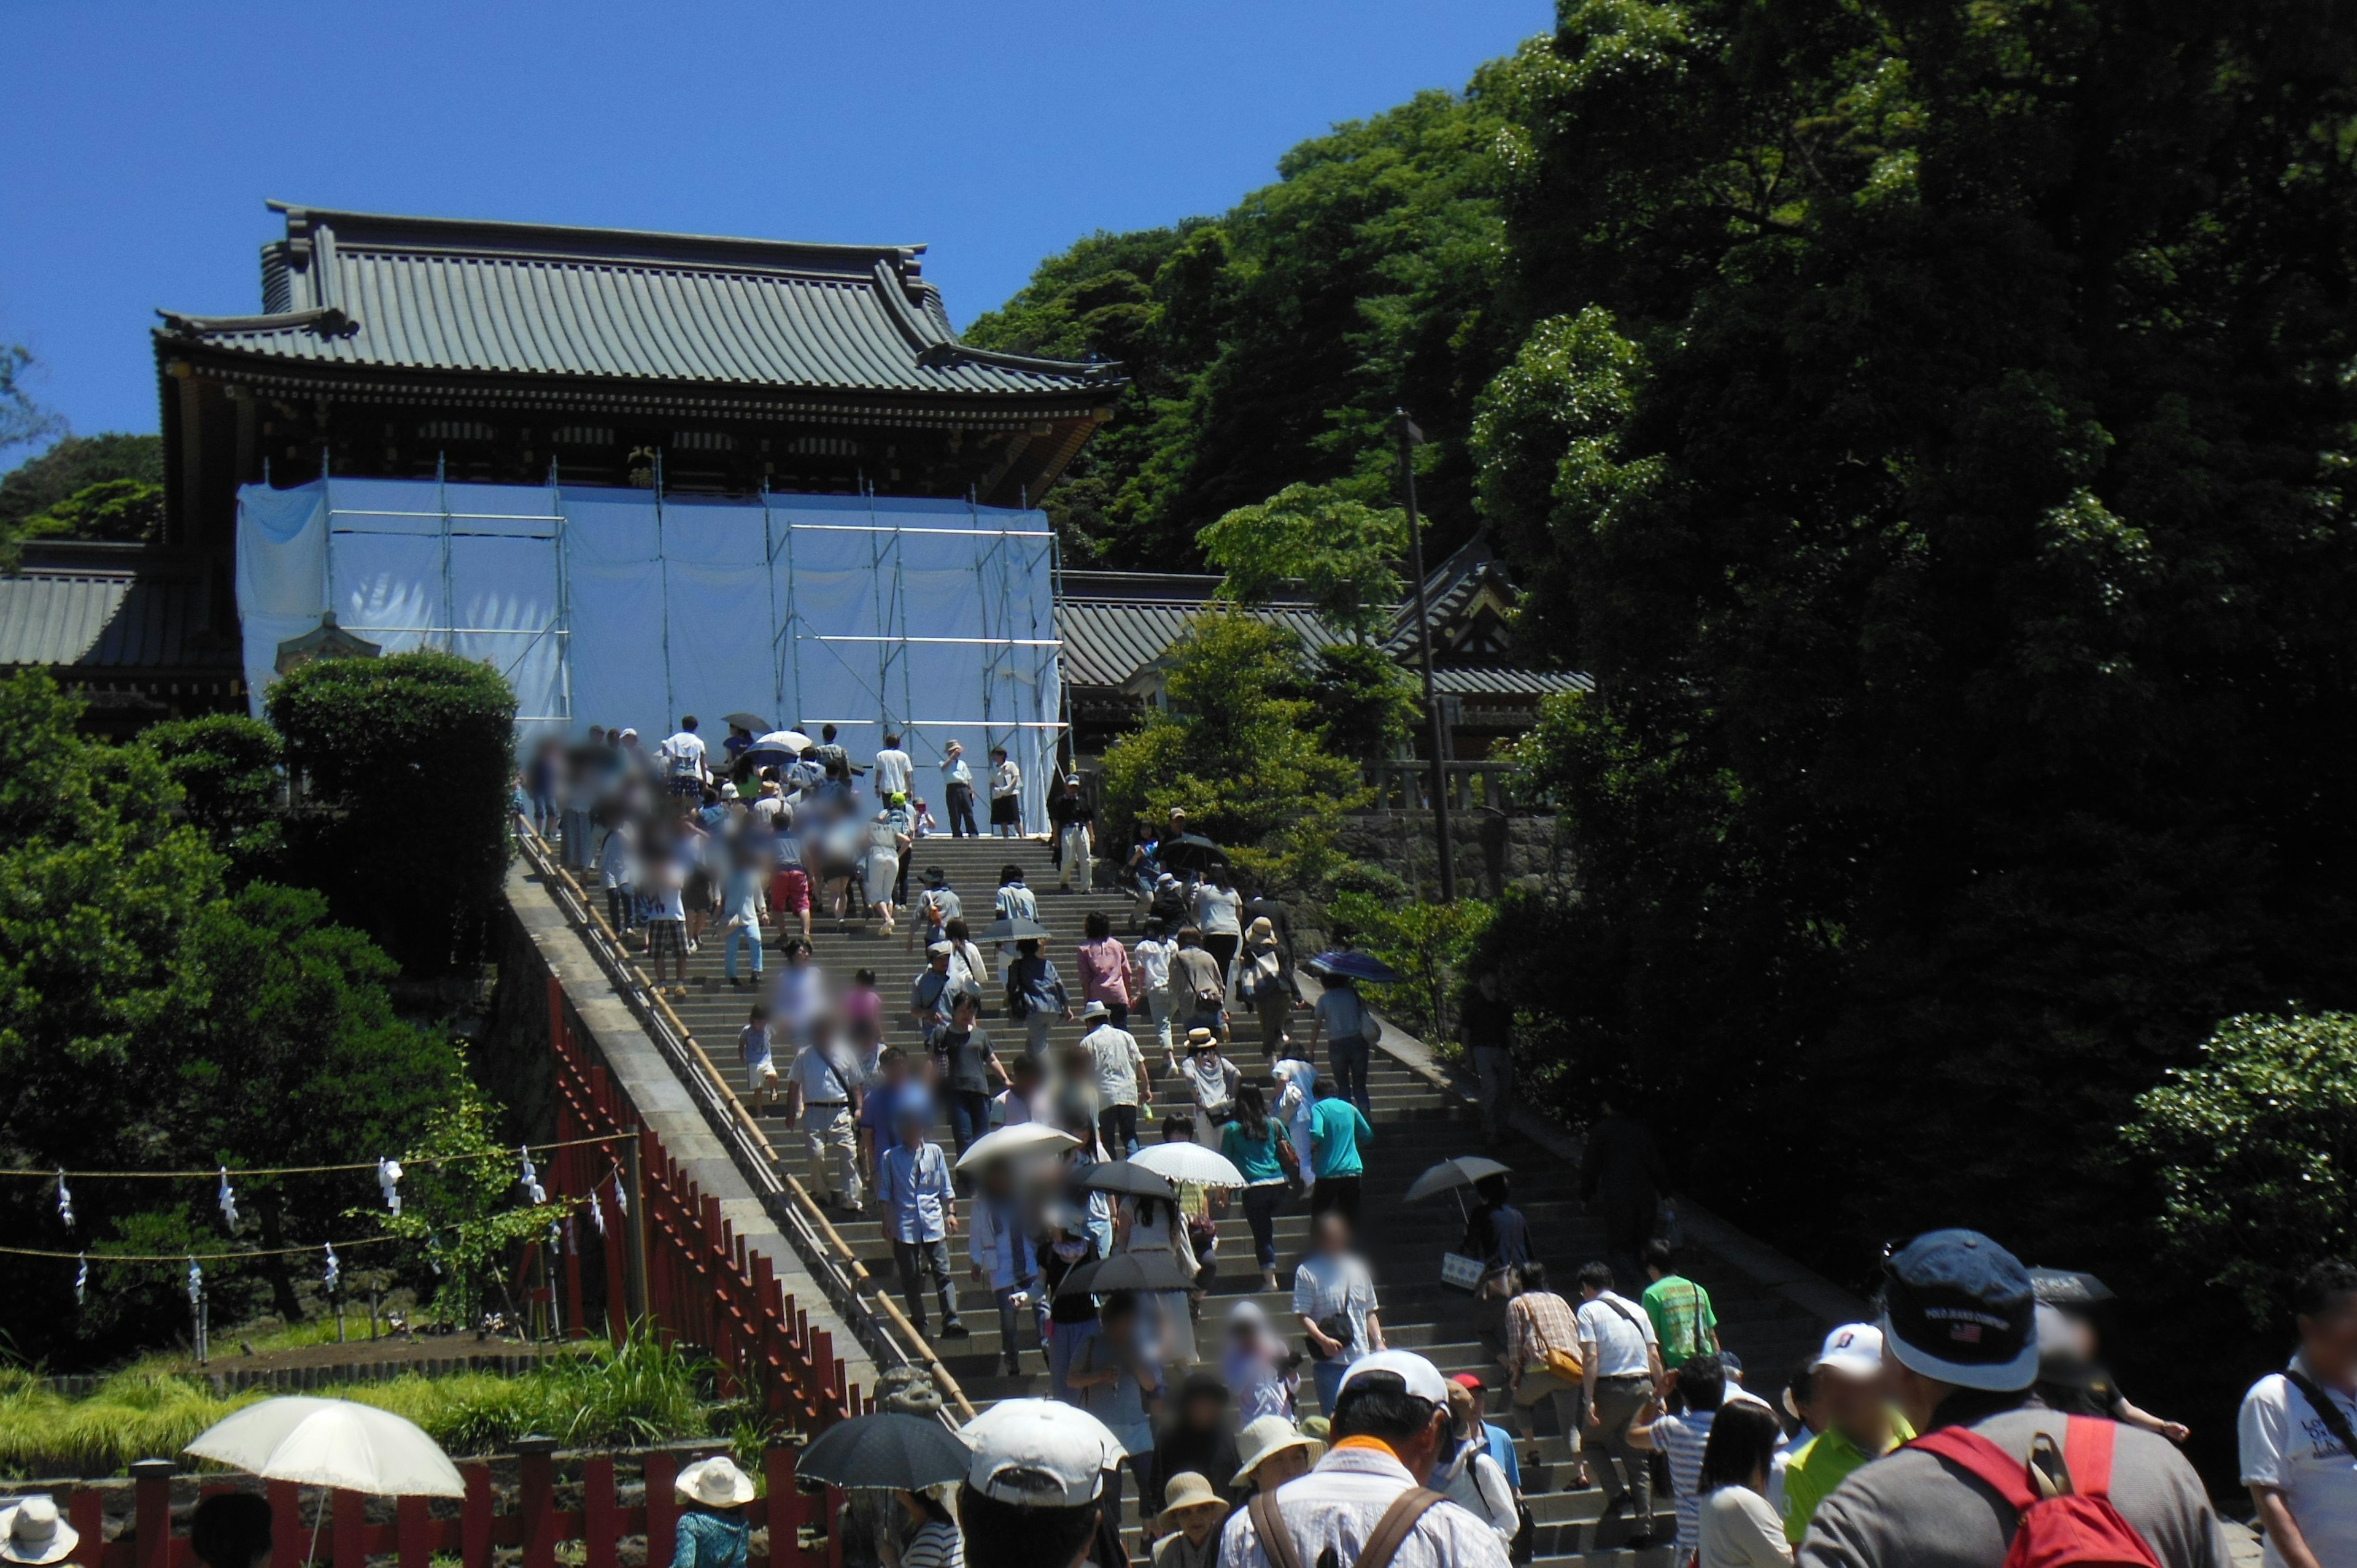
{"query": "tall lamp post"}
{"type": "Point", "coordinates": [1409, 438]}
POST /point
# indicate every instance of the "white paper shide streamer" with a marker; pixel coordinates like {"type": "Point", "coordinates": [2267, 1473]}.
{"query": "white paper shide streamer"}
{"type": "Point", "coordinates": [388, 1182]}
{"type": "Point", "coordinates": [81, 1277]}
{"type": "Point", "coordinates": [335, 1268]}
{"type": "Point", "coordinates": [228, 1201]}
{"type": "Point", "coordinates": [65, 1199]}
{"type": "Point", "coordinates": [195, 1283]}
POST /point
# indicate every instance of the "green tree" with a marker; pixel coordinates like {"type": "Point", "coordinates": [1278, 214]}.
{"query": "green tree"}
{"type": "Point", "coordinates": [226, 767]}
{"type": "Point", "coordinates": [121, 512]}
{"type": "Point", "coordinates": [1427, 942]}
{"type": "Point", "coordinates": [1368, 703]}
{"type": "Point", "coordinates": [149, 1019]}
{"type": "Point", "coordinates": [464, 1207]}
{"type": "Point", "coordinates": [21, 419]}
{"type": "Point", "coordinates": [1338, 550]}
{"type": "Point", "coordinates": [72, 465]}
{"type": "Point", "coordinates": [2255, 1152]}
{"type": "Point", "coordinates": [418, 749]}
{"type": "Point", "coordinates": [1931, 438]}
{"type": "Point", "coordinates": [1240, 747]}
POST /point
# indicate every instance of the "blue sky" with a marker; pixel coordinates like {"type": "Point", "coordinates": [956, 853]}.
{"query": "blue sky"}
{"type": "Point", "coordinates": [140, 141]}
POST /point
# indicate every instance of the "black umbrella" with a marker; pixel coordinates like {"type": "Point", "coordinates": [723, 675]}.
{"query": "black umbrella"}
{"type": "Point", "coordinates": [1126, 1270]}
{"type": "Point", "coordinates": [1012, 931]}
{"type": "Point", "coordinates": [1357, 965]}
{"type": "Point", "coordinates": [1132, 1180]}
{"type": "Point", "coordinates": [1189, 851]}
{"type": "Point", "coordinates": [889, 1450]}
{"type": "Point", "coordinates": [2068, 1287]}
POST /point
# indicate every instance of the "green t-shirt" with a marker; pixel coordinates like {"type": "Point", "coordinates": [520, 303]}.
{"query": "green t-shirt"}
{"type": "Point", "coordinates": [1820, 1465]}
{"type": "Point", "coordinates": [1682, 1319]}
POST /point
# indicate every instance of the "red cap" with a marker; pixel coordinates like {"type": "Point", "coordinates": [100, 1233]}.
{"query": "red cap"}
{"type": "Point", "coordinates": [1467, 1380]}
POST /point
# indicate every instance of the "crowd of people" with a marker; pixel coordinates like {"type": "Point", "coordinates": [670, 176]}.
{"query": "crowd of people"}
{"type": "Point", "coordinates": [1933, 1435]}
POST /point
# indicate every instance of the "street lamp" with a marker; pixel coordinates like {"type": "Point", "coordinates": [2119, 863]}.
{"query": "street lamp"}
{"type": "Point", "coordinates": [1409, 438]}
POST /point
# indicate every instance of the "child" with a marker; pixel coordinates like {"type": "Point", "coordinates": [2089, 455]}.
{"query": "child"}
{"type": "Point", "coordinates": [1191, 1512]}
{"type": "Point", "coordinates": [862, 1007]}
{"type": "Point", "coordinates": [912, 1180]}
{"type": "Point", "coordinates": [921, 821]}
{"type": "Point", "coordinates": [753, 1050]}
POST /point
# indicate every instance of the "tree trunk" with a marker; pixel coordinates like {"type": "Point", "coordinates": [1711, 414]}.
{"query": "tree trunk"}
{"type": "Point", "coordinates": [282, 1278]}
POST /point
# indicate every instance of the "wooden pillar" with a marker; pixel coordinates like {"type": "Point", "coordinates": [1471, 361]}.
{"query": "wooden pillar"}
{"type": "Point", "coordinates": [475, 1518]}
{"type": "Point", "coordinates": [662, 1506]}
{"type": "Point", "coordinates": [151, 1511]}
{"type": "Point", "coordinates": [413, 1532]}
{"type": "Point", "coordinates": [289, 1543]}
{"type": "Point", "coordinates": [601, 1517]}
{"type": "Point", "coordinates": [344, 1524]}
{"type": "Point", "coordinates": [536, 1500]}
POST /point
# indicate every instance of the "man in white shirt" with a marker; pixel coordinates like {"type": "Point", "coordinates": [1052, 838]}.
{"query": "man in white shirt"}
{"type": "Point", "coordinates": [1389, 1425]}
{"type": "Point", "coordinates": [1121, 1072]}
{"type": "Point", "coordinates": [683, 760]}
{"type": "Point", "coordinates": [893, 769]}
{"type": "Point", "coordinates": [957, 790]}
{"type": "Point", "coordinates": [822, 1099]}
{"type": "Point", "coordinates": [1006, 794]}
{"type": "Point", "coordinates": [2295, 1441]}
{"type": "Point", "coordinates": [1333, 1283]}
{"type": "Point", "coordinates": [1620, 1366]}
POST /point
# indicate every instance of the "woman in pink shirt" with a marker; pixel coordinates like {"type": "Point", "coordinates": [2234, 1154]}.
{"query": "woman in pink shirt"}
{"type": "Point", "coordinates": [1106, 973]}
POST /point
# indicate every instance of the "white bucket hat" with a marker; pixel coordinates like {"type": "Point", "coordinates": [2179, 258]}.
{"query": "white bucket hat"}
{"type": "Point", "coordinates": [716, 1483]}
{"type": "Point", "coordinates": [31, 1531]}
{"type": "Point", "coordinates": [1269, 1435]}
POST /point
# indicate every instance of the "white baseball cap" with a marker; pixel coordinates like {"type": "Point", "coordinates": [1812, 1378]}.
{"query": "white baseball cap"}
{"type": "Point", "coordinates": [1854, 1349]}
{"type": "Point", "coordinates": [1421, 1376]}
{"type": "Point", "coordinates": [1038, 1453]}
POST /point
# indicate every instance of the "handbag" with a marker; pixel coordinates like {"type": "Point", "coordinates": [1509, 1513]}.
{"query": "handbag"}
{"type": "Point", "coordinates": [1460, 1272]}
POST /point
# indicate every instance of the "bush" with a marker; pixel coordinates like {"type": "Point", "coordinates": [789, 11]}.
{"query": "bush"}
{"type": "Point", "coordinates": [227, 767]}
{"type": "Point", "coordinates": [2256, 1149]}
{"type": "Point", "coordinates": [1426, 942]}
{"type": "Point", "coordinates": [418, 749]}
{"type": "Point", "coordinates": [115, 511]}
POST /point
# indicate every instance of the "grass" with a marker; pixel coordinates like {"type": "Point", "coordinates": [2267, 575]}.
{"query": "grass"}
{"type": "Point", "coordinates": [645, 1391]}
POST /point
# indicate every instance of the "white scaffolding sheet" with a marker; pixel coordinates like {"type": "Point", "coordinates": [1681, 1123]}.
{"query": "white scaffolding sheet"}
{"type": "Point", "coordinates": [934, 618]}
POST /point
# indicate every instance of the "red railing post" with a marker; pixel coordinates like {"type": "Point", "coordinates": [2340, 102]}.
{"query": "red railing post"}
{"type": "Point", "coordinates": [536, 1500]}
{"type": "Point", "coordinates": [785, 1505]}
{"type": "Point", "coordinates": [86, 1511]}
{"type": "Point", "coordinates": [475, 1518]}
{"type": "Point", "coordinates": [344, 1528]}
{"type": "Point", "coordinates": [413, 1532]}
{"type": "Point", "coordinates": [288, 1540]}
{"type": "Point", "coordinates": [601, 1521]}
{"type": "Point", "coordinates": [151, 1511]}
{"type": "Point", "coordinates": [662, 1469]}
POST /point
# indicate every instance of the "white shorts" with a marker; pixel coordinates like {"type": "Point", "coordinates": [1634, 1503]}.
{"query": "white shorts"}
{"type": "Point", "coordinates": [759, 1074]}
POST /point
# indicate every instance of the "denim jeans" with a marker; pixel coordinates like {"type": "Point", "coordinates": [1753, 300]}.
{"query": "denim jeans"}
{"type": "Point", "coordinates": [751, 936]}
{"type": "Point", "coordinates": [1347, 1060]}
{"type": "Point", "coordinates": [1261, 1204]}
{"type": "Point", "coordinates": [969, 1119]}
{"type": "Point", "coordinates": [621, 909]}
{"type": "Point", "coordinates": [1329, 1378]}
{"type": "Point", "coordinates": [1117, 1125]}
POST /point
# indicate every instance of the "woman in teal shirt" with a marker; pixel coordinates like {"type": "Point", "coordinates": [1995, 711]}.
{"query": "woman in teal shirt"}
{"type": "Point", "coordinates": [1250, 1144]}
{"type": "Point", "coordinates": [1336, 1129]}
{"type": "Point", "coordinates": [713, 1530]}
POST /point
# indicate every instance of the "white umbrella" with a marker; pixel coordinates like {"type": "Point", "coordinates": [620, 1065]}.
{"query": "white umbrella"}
{"type": "Point", "coordinates": [332, 1443]}
{"type": "Point", "coordinates": [1037, 1138]}
{"type": "Point", "coordinates": [1189, 1162]}
{"type": "Point", "coordinates": [779, 743]}
{"type": "Point", "coordinates": [1462, 1171]}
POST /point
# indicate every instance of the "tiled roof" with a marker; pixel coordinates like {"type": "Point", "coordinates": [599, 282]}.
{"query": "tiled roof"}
{"type": "Point", "coordinates": [533, 300]}
{"type": "Point", "coordinates": [106, 619]}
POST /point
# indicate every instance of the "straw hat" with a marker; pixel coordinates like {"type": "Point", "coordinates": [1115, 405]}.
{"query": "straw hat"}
{"type": "Point", "coordinates": [1260, 933]}
{"type": "Point", "coordinates": [1187, 1492]}
{"type": "Point", "coordinates": [716, 1483]}
{"type": "Point", "coordinates": [1269, 1435]}
{"type": "Point", "coordinates": [32, 1532]}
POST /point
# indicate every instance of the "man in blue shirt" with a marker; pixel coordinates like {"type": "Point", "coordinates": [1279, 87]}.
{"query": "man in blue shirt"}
{"type": "Point", "coordinates": [912, 1180]}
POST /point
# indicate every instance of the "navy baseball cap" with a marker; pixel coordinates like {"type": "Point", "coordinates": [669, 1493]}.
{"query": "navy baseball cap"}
{"type": "Point", "coordinates": [1958, 1307]}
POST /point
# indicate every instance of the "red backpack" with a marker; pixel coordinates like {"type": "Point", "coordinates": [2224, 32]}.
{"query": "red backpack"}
{"type": "Point", "coordinates": [2067, 1519]}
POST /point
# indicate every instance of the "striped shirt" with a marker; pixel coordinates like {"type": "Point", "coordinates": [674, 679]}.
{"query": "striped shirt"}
{"type": "Point", "coordinates": [935, 1545]}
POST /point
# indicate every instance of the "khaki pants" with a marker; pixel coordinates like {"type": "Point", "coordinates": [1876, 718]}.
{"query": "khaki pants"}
{"type": "Point", "coordinates": [1617, 1403]}
{"type": "Point", "coordinates": [1075, 845]}
{"type": "Point", "coordinates": [834, 1153]}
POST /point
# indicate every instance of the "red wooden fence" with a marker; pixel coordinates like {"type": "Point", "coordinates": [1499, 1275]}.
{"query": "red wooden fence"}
{"type": "Point", "coordinates": [702, 1284]}
{"type": "Point", "coordinates": [537, 1526]}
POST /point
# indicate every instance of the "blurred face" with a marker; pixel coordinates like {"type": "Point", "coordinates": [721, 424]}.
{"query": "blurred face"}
{"type": "Point", "coordinates": [1334, 1235]}
{"type": "Point", "coordinates": [1462, 1413]}
{"type": "Point", "coordinates": [1285, 1464]}
{"type": "Point", "coordinates": [2330, 1342]}
{"type": "Point", "coordinates": [1853, 1406]}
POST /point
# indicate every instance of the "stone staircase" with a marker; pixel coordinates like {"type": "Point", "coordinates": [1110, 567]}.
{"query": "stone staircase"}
{"type": "Point", "coordinates": [1416, 1124]}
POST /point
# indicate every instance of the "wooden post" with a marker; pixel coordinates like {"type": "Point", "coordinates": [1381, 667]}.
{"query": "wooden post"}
{"type": "Point", "coordinates": [86, 1511]}
{"type": "Point", "coordinates": [785, 1505]}
{"type": "Point", "coordinates": [601, 1522]}
{"type": "Point", "coordinates": [413, 1532]}
{"type": "Point", "coordinates": [475, 1518]}
{"type": "Point", "coordinates": [345, 1526]}
{"type": "Point", "coordinates": [287, 1540]}
{"type": "Point", "coordinates": [634, 1227]}
{"type": "Point", "coordinates": [662, 1505]}
{"type": "Point", "coordinates": [536, 1500]}
{"type": "Point", "coordinates": [151, 1511]}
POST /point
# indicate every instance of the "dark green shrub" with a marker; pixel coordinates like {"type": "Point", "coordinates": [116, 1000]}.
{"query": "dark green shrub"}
{"type": "Point", "coordinates": [227, 767]}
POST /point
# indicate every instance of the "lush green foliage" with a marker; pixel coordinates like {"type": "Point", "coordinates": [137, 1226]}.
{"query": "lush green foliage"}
{"type": "Point", "coordinates": [1270, 345]}
{"type": "Point", "coordinates": [22, 419]}
{"type": "Point", "coordinates": [150, 1017]}
{"type": "Point", "coordinates": [463, 1204]}
{"type": "Point", "coordinates": [71, 466]}
{"type": "Point", "coordinates": [1338, 551]}
{"type": "Point", "coordinates": [120, 511]}
{"type": "Point", "coordinates": [418, 751]}
{"type": "Point", "coordinates": [226, 767]}
{"type": "Point", "coordinates": [1366, 699]}
{"type": "Point", "coordinates": [2255, 1148]}
{"type": "Point", "coordinates": [647, 1390]}
{"type": "Point", "coordinates": [1240, 746]}
{"type": "Point", "coordinates": [1426, 942]}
